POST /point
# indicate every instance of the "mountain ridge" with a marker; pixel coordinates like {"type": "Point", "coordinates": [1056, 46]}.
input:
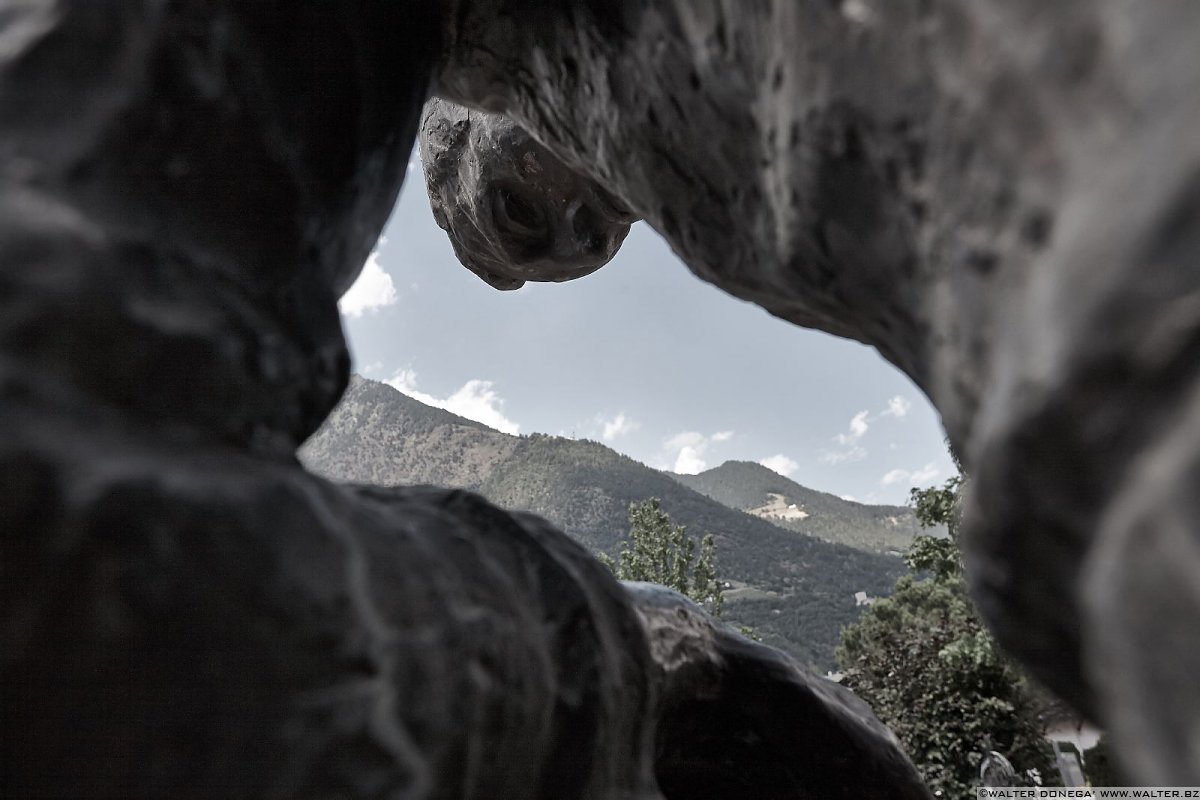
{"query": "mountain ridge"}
{"type": "Point", "coordinates": [795, 590]}
{"type": "Point", "coordinates": [752, 487]}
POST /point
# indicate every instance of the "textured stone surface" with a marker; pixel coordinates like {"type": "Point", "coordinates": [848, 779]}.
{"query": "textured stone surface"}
{"type": "Point", "coordinates": [1003, 199]}
{"type": "Point", "coordinates": [185, 188]}
{"type": "Point", "coordinates": [206, 625]}
{"type": "Point", "coordinates": [180, 212]}
{"type": "Point", "coordinates": [738, 719]}
{"type": "Point", "coordinates": [513, 211]}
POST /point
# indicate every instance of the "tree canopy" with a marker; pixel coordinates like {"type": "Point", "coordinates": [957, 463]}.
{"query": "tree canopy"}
{"type": "Point", "coordinates": [923, 660]}
{"type": "Point", "coordinates": [658, 551]}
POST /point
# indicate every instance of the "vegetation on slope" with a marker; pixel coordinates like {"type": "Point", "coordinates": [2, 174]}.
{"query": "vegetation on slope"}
{"type": "Point", "coordinates": [747, 486]}
{"type": "Point", "coordinates": [658, 551]}
{"type": "Point", "coordinates": [795, 591]}
{"type": "Point", "coordinates": [809, 584]}
{"type": "Point", "coordinates": [378, 435]}
{"type": "Point", "coordinates": [931, 671]}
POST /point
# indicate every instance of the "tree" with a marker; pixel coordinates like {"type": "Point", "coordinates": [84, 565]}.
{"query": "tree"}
{"type": "Point", "coordinates": [706, 587]}
{"type": "Point", "coordinates": [932, 507]}
{"type": "Point", "coordinates": [923, 660]}
{"type": "Point", "coordinates": [657, 551]}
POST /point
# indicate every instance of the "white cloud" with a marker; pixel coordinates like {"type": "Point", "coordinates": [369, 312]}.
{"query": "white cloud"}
{"type": "Point", "coordinates": [476, 400]}
{"type": "Point", "coordinates": [372, 290]}
{"type": "Point", "coordinates": [859, 424]}
{"type": "Point", "coordinates": [685, 439]}
{"type": "Point", "coordinates": [850, 449]}
{"type": "Point", "coordinates": [405, 382]}
{"type": "Point", "coordinates": [925, 474]}
{"type": "Point", "coordinates": [780, 463]}
{"type": "Point", "coordinates": [618, 426]}
{"type": "Point", "coordinates": [689, 462]}
{"type": "Point", "coordinates": [374, 368]}
{"type": "Point", "coordinates": [897, 407]}
{"type": "Point", "coordinates": [912, 477]}
{"type": "Point", "coordinates": [846, 455]}
{"type": "Point", "coordinates": [849, 498]}
{"type": "Point", "coordinates": [687, 450]}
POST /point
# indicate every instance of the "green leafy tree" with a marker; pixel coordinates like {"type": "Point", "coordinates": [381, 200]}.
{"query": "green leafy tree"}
{"type": "Point", "coordinates": [657, 551]}
{"type": "Point", "coordinates": [706, 587]}
{"type": "Point", "coordinates": [923, 660]}
{"type": "Point", "coordinates": [937, 505]}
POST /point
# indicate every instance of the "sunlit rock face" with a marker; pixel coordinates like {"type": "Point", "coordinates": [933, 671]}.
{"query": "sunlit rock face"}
{"type": "Point", "coordinates": [514, 212]}
{"type": "Point", "coordinates": [1004, 200]}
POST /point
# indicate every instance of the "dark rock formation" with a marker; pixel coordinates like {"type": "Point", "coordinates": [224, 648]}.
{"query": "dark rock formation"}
{"type": "Point", "coordinates": [514, 212]}
{"type": "Point", "coordinates": [738, 719]}
{"type": "Point", "coordinates": [185, 188]}
{"type": "Point", "coordinates": [1003, 199]}
{"type": "Point", "coordinates": [179, 211]}
{"type": "Point", "coordinates": [208, 625]}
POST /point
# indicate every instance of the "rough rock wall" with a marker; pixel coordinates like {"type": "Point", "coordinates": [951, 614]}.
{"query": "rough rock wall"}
{"type": "Point", "coordinates": [1004, 200]}
{"type": "Point", "coordinates": [737, 719]}
{"type": "Point", "coordinates": [203, 624]}
{"type": "Point", "coordinates": [528, 213]}
{"type": "Point", "coordinates": [185, 188]}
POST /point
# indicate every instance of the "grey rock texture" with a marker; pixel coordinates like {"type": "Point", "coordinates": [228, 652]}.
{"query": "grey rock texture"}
{"type": "Point", "coordinates": [738, 719]}
{"type": "Point", "coordinates": [209, 625]}
{"type": "Point", "coordinates": [180, 213]}
{"type": "Point", "coordinates": [185, 189]}
{"type": "Point", "coordinates": [513, 211]}
{"type": "Point", "coordinates": [1004, 200]}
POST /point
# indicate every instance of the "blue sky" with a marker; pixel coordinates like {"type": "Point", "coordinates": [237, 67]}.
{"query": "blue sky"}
{"type": "Point", "coordinates": [642, 356]}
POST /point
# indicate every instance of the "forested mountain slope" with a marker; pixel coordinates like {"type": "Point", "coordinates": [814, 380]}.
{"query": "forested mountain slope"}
{"type": "Point", "coordinates": [757, 490]}
{"type": "Point", "coordinates": [797, 591]}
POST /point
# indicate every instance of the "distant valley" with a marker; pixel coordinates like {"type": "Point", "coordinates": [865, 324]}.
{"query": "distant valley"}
{"type": "Point", "coordinates": [795, 563]}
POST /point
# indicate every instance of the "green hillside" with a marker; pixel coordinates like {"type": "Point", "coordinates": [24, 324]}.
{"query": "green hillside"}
{"type": "Point", "coordinates": [796, 591]}
{"type": "Point", "coordinates": [755, 489]}
{"type": "Point", "coordinates": [378, 435]}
